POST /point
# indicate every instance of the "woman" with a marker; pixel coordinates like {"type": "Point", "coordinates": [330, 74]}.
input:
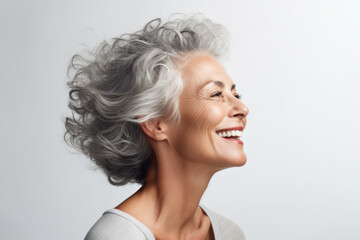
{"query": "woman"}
{"type": "Point", "coordinates": [157, 108]}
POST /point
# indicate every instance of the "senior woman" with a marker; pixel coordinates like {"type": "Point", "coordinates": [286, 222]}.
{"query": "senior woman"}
{"type": "Point", "coordinates": [157, 108]}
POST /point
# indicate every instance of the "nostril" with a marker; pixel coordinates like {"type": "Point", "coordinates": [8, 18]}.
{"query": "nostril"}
{"type": "Point", "coordinates": [239, 115]}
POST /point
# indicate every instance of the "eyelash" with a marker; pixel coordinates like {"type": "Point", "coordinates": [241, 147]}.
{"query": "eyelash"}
{"type": "Point", "coordinates": [217, 94]}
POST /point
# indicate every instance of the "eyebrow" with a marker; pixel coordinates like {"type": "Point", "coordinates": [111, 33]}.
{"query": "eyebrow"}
{"type": "Point", "coordinates": [218, 83]}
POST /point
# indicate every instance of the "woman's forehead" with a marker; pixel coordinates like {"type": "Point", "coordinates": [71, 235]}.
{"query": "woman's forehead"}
{"type": "Point", "coordinates": [203, 69]}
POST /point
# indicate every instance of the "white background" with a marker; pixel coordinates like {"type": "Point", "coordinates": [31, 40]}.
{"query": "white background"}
{"type": "Point", "coordinates": [296, 63]}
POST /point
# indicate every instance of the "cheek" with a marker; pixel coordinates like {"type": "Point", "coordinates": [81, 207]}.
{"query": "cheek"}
{"type": "Point", "coordinates": [216, 114]}
{"type": "Point", "coordinates": [204, 117]}
{"type": "Point", "coordinates": [197, 128]}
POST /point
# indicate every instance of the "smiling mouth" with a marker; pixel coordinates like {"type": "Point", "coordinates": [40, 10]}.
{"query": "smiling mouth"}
{"type": "Point", "coordinates": [234, 133]}
{"type": "Point", "coordinates": [230, 134]}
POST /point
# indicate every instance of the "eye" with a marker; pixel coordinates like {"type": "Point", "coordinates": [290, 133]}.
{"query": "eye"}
{"type": "Point", "coordinates": [217, 94]}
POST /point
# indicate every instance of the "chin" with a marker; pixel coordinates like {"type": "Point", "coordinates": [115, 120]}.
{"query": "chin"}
{"type": "Point", "coordinates": [240, 162]}
{"type": "Point", "coordinates": [233, 162]}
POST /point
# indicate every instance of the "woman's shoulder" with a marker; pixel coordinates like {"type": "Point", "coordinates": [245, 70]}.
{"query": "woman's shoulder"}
{"type": "Point", "coordinates": [115, 224]}
{"type": "Point", "coordinates": [223, 227]}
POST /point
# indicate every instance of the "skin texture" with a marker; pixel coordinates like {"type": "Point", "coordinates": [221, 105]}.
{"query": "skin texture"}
{"type": "Point", "coordinates": [186, 155]}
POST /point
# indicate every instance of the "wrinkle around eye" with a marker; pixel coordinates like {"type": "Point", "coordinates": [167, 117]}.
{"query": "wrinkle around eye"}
{"type": "Point", "coordinates": [216, 94]}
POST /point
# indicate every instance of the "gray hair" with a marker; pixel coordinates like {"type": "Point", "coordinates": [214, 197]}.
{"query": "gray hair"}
{"type": "Point", "coordinates": [133, 79]}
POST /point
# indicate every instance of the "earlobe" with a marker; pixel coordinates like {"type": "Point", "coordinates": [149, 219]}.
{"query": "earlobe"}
{"type": "Point", "coordinates": [154, 129]}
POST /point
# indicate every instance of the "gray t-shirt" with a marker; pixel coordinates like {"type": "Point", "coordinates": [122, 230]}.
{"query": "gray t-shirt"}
{"type": "Point", "coordinates": [118, 225]}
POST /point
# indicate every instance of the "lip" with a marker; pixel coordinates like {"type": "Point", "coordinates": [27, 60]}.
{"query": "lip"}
{"type": "Point", "coordinates": [233, 140]}
{"type": "Point", "coordinates": [229, 129]}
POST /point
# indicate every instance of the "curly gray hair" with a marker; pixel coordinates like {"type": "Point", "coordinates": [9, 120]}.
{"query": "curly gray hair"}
{"type": "Point", "coordinates": [133, 79]}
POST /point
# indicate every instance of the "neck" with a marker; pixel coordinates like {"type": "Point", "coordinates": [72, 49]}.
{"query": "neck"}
{"type": "Point", "coordinates": [171, 194]}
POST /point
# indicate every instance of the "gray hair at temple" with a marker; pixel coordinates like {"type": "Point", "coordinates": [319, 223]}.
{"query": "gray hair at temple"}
{"type": "Point", "coordinates": [130, 80]}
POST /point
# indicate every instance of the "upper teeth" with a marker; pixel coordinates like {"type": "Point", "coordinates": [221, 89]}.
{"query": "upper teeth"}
{"type": "Point", "coordinates": [232, 133]}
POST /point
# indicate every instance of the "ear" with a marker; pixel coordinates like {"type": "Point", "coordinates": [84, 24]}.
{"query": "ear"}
{"type": "Point", "coordinates": [155, 129]}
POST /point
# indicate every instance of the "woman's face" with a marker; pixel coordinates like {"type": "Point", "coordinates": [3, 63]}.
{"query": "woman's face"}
{"type": "Point", "coordinates": [209, 106]}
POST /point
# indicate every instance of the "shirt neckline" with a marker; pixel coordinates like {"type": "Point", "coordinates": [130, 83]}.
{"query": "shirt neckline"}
{"type": "Point", "coordinates": [148, 233]}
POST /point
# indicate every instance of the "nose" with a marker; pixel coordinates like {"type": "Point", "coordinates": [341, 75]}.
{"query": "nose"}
{"type": "Point", "coordinates": [238, 109]}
